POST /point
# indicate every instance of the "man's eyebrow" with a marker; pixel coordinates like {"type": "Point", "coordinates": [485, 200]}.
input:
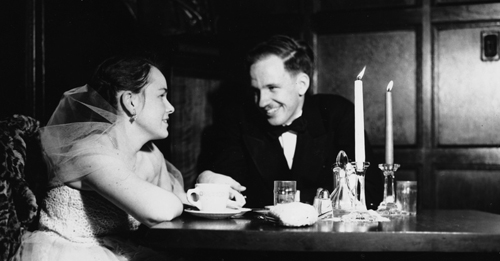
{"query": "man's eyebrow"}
{"type": "Point", "coordinates": [274, 85]}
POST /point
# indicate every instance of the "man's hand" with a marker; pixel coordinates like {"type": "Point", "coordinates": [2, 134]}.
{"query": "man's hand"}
{"type": "Point", "coordinates": [237, 200]}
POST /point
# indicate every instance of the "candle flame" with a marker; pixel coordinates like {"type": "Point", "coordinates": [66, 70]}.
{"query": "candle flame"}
{"type": "Point", "coordinates": [389, 86]}
{"type": "Point", "coordinates": [360, 75]}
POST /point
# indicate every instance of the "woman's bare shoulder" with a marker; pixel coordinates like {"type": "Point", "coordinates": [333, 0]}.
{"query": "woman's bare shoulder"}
{"type": "Point", "coordinates": [88, 158]}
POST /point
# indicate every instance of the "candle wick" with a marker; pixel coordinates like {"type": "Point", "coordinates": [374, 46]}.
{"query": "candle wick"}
{"type": "Point", "coordinates": [389, 86]}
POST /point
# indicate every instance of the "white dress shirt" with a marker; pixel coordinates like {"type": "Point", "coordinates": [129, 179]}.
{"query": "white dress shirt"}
{"type": "Point", "coordinates": [288, 141]}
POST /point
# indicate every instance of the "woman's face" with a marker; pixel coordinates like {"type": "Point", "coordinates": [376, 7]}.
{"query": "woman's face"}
{"type": "Point", "coordinates": [155, 111]}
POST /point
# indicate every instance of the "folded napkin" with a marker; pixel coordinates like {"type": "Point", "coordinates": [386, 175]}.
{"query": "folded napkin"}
{"type": "Point", "coordinates": [294, 214]}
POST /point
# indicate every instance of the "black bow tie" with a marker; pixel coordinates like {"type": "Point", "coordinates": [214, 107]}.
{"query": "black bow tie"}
{"type": "Point", "coordinates": [298, 125]}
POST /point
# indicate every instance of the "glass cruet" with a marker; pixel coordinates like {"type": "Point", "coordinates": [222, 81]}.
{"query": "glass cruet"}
{"type": "Point", "coordinates": [343, 199]}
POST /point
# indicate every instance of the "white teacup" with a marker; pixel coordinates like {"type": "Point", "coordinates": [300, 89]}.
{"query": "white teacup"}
{"type": "Point", "coordinates": [209, 197]}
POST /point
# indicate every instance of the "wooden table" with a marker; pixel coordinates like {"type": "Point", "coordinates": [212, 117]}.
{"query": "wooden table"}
{"type": "Point", "coordinates": [431, 231]}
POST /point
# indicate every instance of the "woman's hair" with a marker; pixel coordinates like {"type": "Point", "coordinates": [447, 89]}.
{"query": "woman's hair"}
{"type": "Point", "coordinates": [297, 55]}
{"type": "Point", "coordinates": [120, 74]}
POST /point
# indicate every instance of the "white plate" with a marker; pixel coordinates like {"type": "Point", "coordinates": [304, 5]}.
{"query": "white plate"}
{"type": "Point", "coordinates": [227, 213]}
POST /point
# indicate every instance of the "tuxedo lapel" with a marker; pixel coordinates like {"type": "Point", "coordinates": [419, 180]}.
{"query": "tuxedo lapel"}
{"type": "Point", "coordinates": [309, 156]}
{"type": "Point", "coordinates": [310, 149]}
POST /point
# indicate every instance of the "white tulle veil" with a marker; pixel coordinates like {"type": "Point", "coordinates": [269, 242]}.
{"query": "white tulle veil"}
{"type": "Point", "coordinates": [81, 116]}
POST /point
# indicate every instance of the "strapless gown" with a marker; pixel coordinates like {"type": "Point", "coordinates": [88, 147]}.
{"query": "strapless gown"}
{"type": "Point", "coordinates": [82, 225]}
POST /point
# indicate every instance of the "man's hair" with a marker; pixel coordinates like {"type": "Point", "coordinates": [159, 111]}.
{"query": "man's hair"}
{"type": "Point", "coordinates": [297, 55]}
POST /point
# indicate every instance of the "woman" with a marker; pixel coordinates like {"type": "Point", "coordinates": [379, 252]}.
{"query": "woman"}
{"type": "Point", "coordinates": [107, 175]}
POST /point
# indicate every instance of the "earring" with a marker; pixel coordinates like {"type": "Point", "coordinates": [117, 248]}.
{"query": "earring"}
{"type": "Point", "coordinates": [133, 117]}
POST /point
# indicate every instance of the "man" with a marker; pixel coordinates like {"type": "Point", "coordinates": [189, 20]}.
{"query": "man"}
{"type": "Point", "coordinates": [292, 135]}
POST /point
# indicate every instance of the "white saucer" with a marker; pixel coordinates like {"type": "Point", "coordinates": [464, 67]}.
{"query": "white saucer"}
{"type": "Point", "coordinates": [227, 213]}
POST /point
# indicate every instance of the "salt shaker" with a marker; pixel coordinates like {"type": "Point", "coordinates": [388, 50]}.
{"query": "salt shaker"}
{"type": "Point", "coordinates": [323, 204]}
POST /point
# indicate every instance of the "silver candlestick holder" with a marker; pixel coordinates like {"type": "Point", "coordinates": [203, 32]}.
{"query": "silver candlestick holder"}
{"type": "Point", "coordinates": [388, 206]}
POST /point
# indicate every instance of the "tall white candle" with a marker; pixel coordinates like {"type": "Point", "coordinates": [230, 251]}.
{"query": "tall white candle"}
{"type": "Point", "coordinates": [389, 142]}
{"type": "Point", "coordinates": [359, 122]}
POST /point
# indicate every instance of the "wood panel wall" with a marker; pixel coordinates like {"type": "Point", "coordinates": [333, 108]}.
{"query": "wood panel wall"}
{"type": "Point", "coordinates": [191, 120]}
{"type": "Point", "coordinates": [445, 96]}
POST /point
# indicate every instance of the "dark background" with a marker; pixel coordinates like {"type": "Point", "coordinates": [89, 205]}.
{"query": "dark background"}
{"type": "Point", "coordinates": [447, 112]}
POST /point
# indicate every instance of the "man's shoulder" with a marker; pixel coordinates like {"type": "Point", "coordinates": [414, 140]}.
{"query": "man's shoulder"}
{"type": "Point", "coordinates": [330, 103]}
{"type": "Point", "coordinates": [329, 99]}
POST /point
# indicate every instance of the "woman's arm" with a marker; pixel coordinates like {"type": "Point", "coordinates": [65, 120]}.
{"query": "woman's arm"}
{"type": "Point", "coordinates": [147, 202]}
{"type": "Point", "coordinates": [171, 179]}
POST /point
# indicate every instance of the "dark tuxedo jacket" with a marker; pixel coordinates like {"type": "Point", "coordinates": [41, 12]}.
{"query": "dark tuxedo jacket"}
{"type": "Point", "coordinates": [254, 157]}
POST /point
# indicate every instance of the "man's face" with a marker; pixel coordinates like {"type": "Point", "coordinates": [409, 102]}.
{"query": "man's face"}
{"type": "Point", "coordinates": [278, 93]}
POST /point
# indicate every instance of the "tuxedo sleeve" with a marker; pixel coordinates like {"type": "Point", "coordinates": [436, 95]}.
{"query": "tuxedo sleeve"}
{"type": "Point", "coordinates": [229, 156]}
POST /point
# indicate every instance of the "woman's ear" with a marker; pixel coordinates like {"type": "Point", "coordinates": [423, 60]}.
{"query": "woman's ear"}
{"type": "Point", "coordinates": [303, 83]}
{"type": "Point", "coordinates": [128, 102]}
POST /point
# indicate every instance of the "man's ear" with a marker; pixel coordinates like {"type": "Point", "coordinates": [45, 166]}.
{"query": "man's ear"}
{"type": "Point", "coordinates": [129, 103]}
{"type": "Point", "coordinates": [303, 83]}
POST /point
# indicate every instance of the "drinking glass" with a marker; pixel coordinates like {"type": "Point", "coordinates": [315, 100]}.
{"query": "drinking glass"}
{"type": "Point", "coordinates": [284, 191]}
{"type": "Point", "coordinates": [406, 197]}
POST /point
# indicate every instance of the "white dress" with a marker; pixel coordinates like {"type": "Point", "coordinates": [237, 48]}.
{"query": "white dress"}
{"type": "Point", "coordinates": [82, 225]}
